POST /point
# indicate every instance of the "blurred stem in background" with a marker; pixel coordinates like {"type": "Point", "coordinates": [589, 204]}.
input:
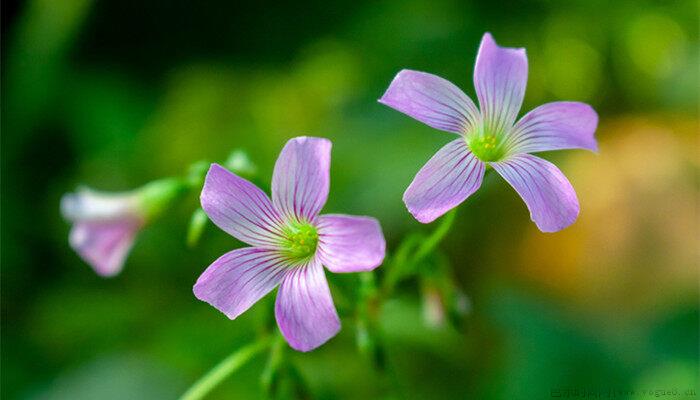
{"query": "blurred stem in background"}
{"type": "Point", "coordinates": [368, 309]}
{"type": "Point", "coordinates": [225, 368]}
{"type": "Point", "coordinates": [405, 263]}
{"type": "Point", "coordinates": [413, 250]}
{"type": "Point", "coordinates": [274, 361]}
{"type": "Point", "coordinates": [279, 379]}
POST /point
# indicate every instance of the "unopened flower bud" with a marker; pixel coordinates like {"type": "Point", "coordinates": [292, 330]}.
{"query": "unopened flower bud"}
{"type": "Point", "coordinates": [106, 224]}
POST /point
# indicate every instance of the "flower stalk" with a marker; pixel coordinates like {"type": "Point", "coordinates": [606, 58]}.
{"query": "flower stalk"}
{"type": "Point", "coordinates": [225, 368]}
{"type": "Point", "coordinates": [275, 360]}
{"type": "Point", "coordinates": [413, 250]}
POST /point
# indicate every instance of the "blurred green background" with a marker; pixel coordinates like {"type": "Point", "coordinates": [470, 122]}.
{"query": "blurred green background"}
{"type": "Point", "coordinates": [113, 94]}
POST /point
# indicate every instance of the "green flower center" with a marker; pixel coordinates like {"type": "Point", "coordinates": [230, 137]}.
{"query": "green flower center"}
{"type": "Point", "coordinates": [486, 146]}
{"type": "Point", "coordinates": [301, 239]}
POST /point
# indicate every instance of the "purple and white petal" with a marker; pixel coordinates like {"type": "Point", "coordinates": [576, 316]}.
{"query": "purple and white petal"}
{"type": "Point", "coordinates": [349, 243]}
{"type": "Point", "coordinates": [446, 180]}
{"type": "Point", "coordinates": [555, 126]}
{"type": "Point", "coordinates": [547, 193]}
{"type": "Point", "coordinates": [88, 204]}
{"type": "Point", "coordinates": [238, 279]}
{"type": "Point", "coordinates": [104, 244]}
{"type": "Point", "coordinates": [301, 178]}
{"type": "Point", "coordinates": [500, 77]}
{"type": "Point", "coordinates": [304, 308]}
{"type": "Point", "coordinates": [240, 208]}
{"type": "Point", "coordinates": [432, 100]}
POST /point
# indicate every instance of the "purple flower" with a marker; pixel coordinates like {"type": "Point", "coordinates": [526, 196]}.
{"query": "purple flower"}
{"type": "Point", "coordinates": [289, 243]}
{"type": "Point", "coordinates": [491, 137]}
{"type": "Point", "coordinates": [105, 225]}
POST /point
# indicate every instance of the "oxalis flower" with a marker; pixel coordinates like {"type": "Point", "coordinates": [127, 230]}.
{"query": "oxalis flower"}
{"type": "Point", "coordinates": [105, 225]}
{"type": "Point", "coordinates": [290, 243]}
{"type": "Point", "coordinates": [490, 137]}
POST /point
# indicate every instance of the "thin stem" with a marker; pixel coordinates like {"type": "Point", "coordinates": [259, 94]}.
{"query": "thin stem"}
{"type": "Point", "coordinates": [274, 362]}
{"type": "Point", "coordinates": [367, 310]}
{"type": "Point", "coordinates": [400, 263]}
{"type": "Point", "coordinates": [225, 368]}
{"type": "Point", "coordinates": [404, 264]}
{"type": "Point", "coordinates": [436, 237]}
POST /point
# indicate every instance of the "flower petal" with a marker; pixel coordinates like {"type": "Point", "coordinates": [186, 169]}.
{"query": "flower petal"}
{"type": "Point", "coordinates": [500, 77]}
{"type": "Point", "coordinates": [239, 208]}
{"type": "Point", "coordinates": [88, 204]}
{"type": "Point", "coordinates": [304, 308]}
{"type": "Point", "coordinates": [238, 279]}
{"type": "Point", "coordinates": [555, 126]}
{"type": "Point", "coordinates": [349, 243]}
{"type": "Point", "coordinates": [446, 180]}
{"type": "Point", "coordinates": [431, 100]}
{"type": "Point", "coordinates": [301, 178]}
{"type": "Point", "coordinates": [104, 244]}
{"type": "Point", "coordinates": [547, 193]}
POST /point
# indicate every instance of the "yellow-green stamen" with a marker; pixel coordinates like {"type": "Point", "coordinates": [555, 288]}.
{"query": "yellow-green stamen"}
{"type": "Point", "coordinates": [486, 146]}
{"type": "Point", "coordinates": [301, 239]}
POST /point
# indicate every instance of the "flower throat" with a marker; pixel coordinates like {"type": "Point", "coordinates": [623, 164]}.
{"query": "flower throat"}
{"type": "Point", "coordinates": [301, 239]}
{"type": "Point", "coordinates": [486, 146]}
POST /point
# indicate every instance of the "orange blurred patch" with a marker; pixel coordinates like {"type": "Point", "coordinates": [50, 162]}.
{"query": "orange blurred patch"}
{"type": "Point", "coordinates": [635, 243]}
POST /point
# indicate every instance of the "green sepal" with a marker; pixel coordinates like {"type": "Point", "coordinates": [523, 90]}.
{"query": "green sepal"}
{"type": "Point", "coordinates": [198, 222]}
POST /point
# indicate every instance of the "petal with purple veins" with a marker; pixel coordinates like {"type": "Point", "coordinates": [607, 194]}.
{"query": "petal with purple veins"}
{"type": "Point", "coordinates": [301, 178]}
{"type": "Point", "coordinates": [240, 208]}
{"type": "Point", "coordinates": [555, 126]}
{"type": "Point", "coordinates": [432, 100]}
{"type": "Point", "coordinates": [238, 279]}
{"type": "Point", "coordinates": [500, 77]}
{"type": "Point", "coordinates": [446, 180]}
{"type": "Point", "coordinates": [304, 308]}
{"type": "Point", "coordinates": [549, 196]}
{"type": "Point", "coordinates": [349, 243]}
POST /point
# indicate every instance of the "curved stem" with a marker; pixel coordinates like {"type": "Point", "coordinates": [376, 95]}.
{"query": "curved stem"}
{"type": "Point", "coordinates": [274, 362]}
{"type": "Point", "coordinates": [224, 369]}
{"type": "Point", "coordinates": [413, 250]}
{"type": "Point", "coordinates": [400, 264]}
{"type": "Point", "coordinates": [436, 237]}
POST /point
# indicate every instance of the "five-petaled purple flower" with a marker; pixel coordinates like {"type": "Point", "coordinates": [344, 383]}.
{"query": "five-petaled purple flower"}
{"type": "Point", "coordinates": [290, 243]}
{"type": "Point", "coordinates": [489, 136]}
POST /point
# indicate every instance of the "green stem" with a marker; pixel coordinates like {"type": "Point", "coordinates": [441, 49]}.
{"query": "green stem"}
{"type": "Point", "coordinates": [273, 364]}
{"type": "Point", "coordinates": [400, 263]}
{"type": "Point", "coordinates": [436, 237]}
{"type": "Point", "coordinates": [224, 369]}
{"type": "Point", "coordinates": [404, 263]}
